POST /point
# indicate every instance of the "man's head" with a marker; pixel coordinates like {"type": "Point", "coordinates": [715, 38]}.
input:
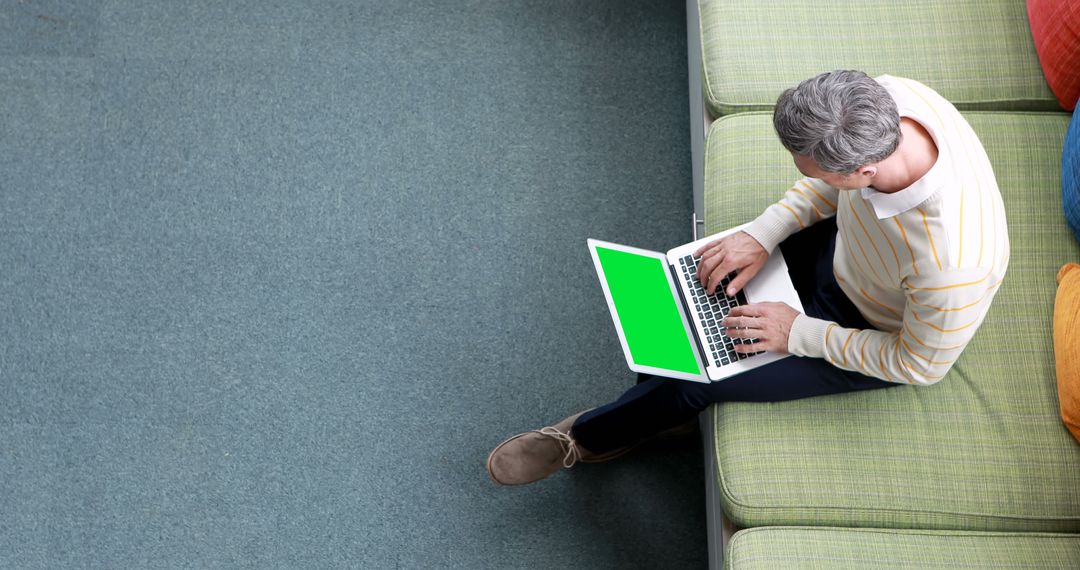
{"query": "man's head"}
{"type": "Point", "coordinates": [838, 126]}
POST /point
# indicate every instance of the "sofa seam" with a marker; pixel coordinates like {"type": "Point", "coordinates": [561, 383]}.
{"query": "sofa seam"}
{"type": "Point", "coordinates": [737, 108]}
{"type": "Point", "coordinates": [916, 531]}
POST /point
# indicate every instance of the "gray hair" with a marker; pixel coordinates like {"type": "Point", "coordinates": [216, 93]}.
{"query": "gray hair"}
{"type": "Point", "coordinates": [842, 119]}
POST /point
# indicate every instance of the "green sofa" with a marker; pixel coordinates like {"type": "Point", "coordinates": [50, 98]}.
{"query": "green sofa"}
{"type": "Point", "coordinates": [974, 471]}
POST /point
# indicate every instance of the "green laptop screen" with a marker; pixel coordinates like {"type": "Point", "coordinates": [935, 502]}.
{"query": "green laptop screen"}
{"type": "Point", "coordinates": [647, 310]}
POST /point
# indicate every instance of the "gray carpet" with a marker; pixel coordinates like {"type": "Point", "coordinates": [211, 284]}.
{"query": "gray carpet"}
{"type": "Point", "coordinates": [276, 275]}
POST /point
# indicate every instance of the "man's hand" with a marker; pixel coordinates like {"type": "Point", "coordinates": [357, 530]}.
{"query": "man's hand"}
{"type": "Point", "coordinates": [769, 323]}
{"type": "Point", "coordinates": [737, 252]}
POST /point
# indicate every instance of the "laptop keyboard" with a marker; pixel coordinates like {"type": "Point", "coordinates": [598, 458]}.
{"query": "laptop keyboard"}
{"type": "Point", "coordinates": [711, 310]}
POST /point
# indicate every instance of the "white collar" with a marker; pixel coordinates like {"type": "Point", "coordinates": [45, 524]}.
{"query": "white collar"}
{"type": "Point", "coordinates": [892, 204]}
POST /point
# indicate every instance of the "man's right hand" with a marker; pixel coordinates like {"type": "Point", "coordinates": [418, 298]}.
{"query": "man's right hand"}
{"type": "Point", "coordinates": [737, 252]}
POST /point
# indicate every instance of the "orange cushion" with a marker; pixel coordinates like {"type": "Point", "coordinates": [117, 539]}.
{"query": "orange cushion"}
{"type": "Point", "coordinates": [1055, 26]}
{"type": "Point", "coordinates": [1067, 345]}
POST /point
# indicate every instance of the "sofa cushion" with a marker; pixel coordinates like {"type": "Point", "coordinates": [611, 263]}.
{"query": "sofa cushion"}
{"type": "Point", "coordinates": [1055, 27]}
{"type": "Point", "coordinates": [984, 448]}
{"type": "Point", "coordinates": [839, 549]}
{"type": "Point", "coordinates": [979, 54]}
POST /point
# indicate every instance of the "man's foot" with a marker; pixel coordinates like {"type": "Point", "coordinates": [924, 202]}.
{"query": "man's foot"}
{"type": "Point", "coordinates": [534, 455]}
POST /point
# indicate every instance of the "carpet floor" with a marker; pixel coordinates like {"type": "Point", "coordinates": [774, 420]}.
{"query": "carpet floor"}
{"type": "Point", "coordinates": [276, 275]}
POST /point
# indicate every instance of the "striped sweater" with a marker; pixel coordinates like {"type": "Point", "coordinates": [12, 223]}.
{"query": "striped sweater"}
{"type": "Point", "coordinates": [922, 265]}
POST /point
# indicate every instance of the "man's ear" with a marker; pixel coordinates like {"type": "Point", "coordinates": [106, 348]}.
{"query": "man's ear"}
{"type": "Point", "coordinates": [868, 170]}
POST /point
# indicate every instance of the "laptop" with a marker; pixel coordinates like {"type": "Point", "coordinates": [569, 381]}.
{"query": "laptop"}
{"type": "Point", "coordinates": [667, 324]}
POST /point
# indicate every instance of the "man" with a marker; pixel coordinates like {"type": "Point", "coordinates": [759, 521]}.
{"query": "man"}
{"type": "Point", "coordinates": [896, 242]}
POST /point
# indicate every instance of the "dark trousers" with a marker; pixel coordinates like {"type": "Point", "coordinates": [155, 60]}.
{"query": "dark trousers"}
{"type": "Point", "coordinates": [657, 403]}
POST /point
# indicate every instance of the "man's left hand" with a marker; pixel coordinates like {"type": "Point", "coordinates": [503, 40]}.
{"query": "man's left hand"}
{"type": "Point", "coordinates": [770, 323]}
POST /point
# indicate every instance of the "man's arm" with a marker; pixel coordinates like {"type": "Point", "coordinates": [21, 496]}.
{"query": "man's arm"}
{"type": "Point", "coordinates": [809, 199]}
{"type": "Point", "coordinates": [805, 203]}
{"type": "Point", "coordinates": [942, 313]}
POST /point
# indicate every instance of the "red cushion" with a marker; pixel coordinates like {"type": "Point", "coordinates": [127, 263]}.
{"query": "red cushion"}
{"type": "Point", "coordinates": [1055, 25]}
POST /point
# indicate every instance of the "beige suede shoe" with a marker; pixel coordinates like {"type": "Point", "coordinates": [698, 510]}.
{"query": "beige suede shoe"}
{"type": "Point", "coordinates": [534, 455]}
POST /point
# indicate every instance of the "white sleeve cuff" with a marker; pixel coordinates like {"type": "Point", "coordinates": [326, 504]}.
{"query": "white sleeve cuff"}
{"type": "Point", "coordinates": [768, 231]}
{"type": "Point", "coordinates": [807, 336]}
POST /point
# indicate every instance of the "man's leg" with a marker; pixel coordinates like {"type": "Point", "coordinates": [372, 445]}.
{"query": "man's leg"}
{"type": "Point", "coordinates": [658, 403]}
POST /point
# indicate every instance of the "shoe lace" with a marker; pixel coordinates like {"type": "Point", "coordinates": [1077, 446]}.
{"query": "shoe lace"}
{"type": "Point", "coordinates": [573, 454]}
